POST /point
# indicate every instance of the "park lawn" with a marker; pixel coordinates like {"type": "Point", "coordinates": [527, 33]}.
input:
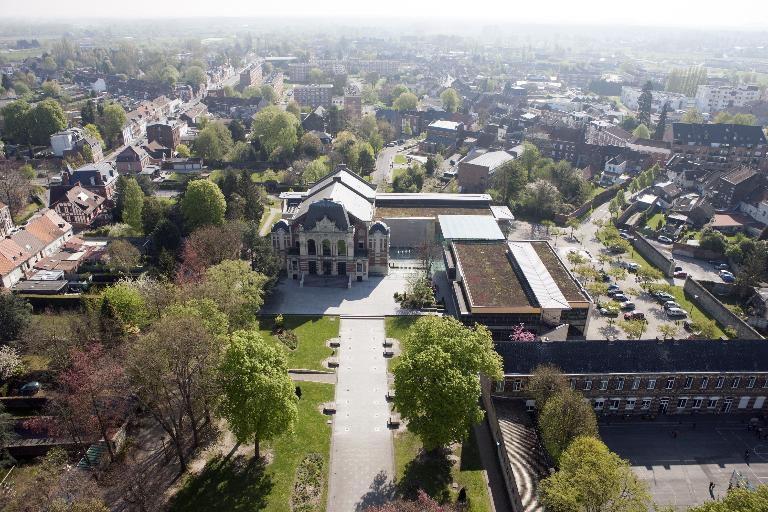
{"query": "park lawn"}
{"type": "Point", "coordinates": [312, 332]}
{"type": "Point", "coordinates": [25, 214]}
{"type": "Point", "coordinates": [435, 476]}
{"type": "Point", "coordinates": [224, 486]}
{"type": "Point", "coordinates": [400, 159]}
{"type": "Point", "coordinates": [397, 326]}
{"type": "Point", "coordinates": [653, 221]}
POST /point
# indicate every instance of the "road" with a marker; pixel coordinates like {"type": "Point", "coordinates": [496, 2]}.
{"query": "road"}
{"type": "Point", "coordinates": [383, 172]}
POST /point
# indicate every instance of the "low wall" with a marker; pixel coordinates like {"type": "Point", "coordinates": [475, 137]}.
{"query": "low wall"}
{"type": "Point", "coordinates": [506, 467]}
{"type": "Point", "coordinates": [699, 295]}
{"type": "Point", "coordinates": [652, 254]}
{"type": "Point", "coordinates": [602, 197]}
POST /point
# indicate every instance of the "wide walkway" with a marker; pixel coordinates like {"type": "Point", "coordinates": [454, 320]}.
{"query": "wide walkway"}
{"type": "Point", "coordinates": [362, 458]}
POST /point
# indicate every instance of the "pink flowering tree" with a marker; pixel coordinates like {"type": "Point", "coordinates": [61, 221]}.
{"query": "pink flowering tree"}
{"type": "Point", "coordinates": [520, 334]}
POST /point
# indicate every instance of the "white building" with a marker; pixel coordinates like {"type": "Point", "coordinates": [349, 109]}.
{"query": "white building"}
{"type": "Point", "coordinates": [713, 98]}
{"type": "Point", "coordinates": [65, 140]}
{"type": "Point", "coordinates": [676, 101]}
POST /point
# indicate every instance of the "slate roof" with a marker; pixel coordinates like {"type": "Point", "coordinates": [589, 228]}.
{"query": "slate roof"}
{"type": "Point", "coordinates": [380, 227]}
{"type": "Point", "coordinates": [281, 224]}
{"type": "Point", "coordinates": [706, 134]}
{"type": "Point", "coordinates": [636, 356]}
{"type": "Point", "coordinates": [326, 208]}
{"type": "Point", "coordinates": [87, 174]}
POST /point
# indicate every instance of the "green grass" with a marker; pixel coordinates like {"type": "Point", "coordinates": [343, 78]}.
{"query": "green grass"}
{"type": "Point", "coordinates": [312, 332]}
{"type": "Point", "coordinates": [653, 221]}
{"type": "Point", "coordinates": [434, 474]}
{"type": "Point", "coordinates": [224, 485]}
{"type": "Point", "coordinates": [24, 215]}
{"type": "Point", "coordinates": [397, 326]}
{"type": "Point", "coordinates": [400, 159]}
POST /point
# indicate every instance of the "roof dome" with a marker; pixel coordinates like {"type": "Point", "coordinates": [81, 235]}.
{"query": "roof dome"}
{"type": "Point", "coordinates": [282, 224]}
{"type": "Point", "coordinates": [380, 227]}
{"type": "Point", "coordinates": [334, 211]}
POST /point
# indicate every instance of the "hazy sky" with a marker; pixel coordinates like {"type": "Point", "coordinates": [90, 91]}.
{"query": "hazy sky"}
{"type": "Point", "coordinates": [689, 13]}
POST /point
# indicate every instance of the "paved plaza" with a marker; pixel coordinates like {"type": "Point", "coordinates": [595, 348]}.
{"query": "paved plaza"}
{"type": "Point", "coordinates": [679, 467]}
{"type": "Point", "coordinates": [362, 457]}
{"type": "Point", "coordinates": [374, 297]}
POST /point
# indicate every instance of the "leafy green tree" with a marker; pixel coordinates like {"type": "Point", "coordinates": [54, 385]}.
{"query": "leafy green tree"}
{"type": "Point", "coordinates": [15, 315]}
{"type": "Point", "coordinates": [629, 123]}
{"type": "Point", "coordinates": [237, 130]}
{"type": "Point", "coordinates": [93, 131]}
{"type": "Point", "coordinates": [195, 76]}
{"type": "Point", "coordinates": [633, 328]}
{"type": "Point", "coordinates": [565, 416]}
{"type": "Point", "coordinates": [203, 204]}
{"type": "Point", "coordinates": [111, 122]}
{"type": "Point", "coordinates": [411, 180]}
{"type": "Point", "coordinates": [366, 160]}
{"type": "Point", "coordinates": [713, 240]}
{"type": "Point", "coordinates": [124, 303]}
{"type": "Point", "coordinates": [406, 101]}
{"type": "Point", "coordinates": [258, 398]}
{"type": "Point", "coordinates": [276, 130]}
{"type": "Point", "coordinates": [183, 151]}
{"type": "Point", "coordinates": [437, 378]}
{"type": "Point", "coordinates": [658, 134]}
{"type": "Point", "coordinates": [213, 142]}
{"type": "Point", "coordinates": [237, 289]}
{"type": "Point", "coordinates": [122, 256]}
{"type": "Point", "coordinates": [268, 93]}
{"type": "Point", "coordinates": [133, 203]}
{"type": "Point", "coordinates": [263, 258]}
{"type": "Point", "coordinates": [310, 145]}
{"type": "Point", "coordinates": [313, 171]}
{"type": "Point", "coordinates": [451, 100]}
{"type": "Point", "coordinates": [644, 102]}
{"type": "Point", "coordinates": [692, 116]}
{"type": "Point", "coordinates": [737, 499]}
{"type": "Point", "coordinates": [294, 108]}
{"type": "Point", "coordinates": [642, 132]}
{"type": "Point", "coordinates": [398, 90]}
{"type": "Point", "coordinates": [546, 381]}
{"type": "Point", "coordinates": [51, 88]}
{"type": "Point", "coordinates": [592, 478]}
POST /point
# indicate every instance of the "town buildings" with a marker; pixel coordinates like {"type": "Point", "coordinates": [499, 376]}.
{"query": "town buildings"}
{"type": "Point", "coordinates": [676, 101]}
{"type": "Point", "coordinates": [714, 98]}
{"type": "Point", "coordinates": [251, 75]}
{"type": "Point", "coordinates": [79, 206]}
{"type": "Point", "coordinates": [131, 160]}
{"type": "Point", "coordinates": [647, 377]}
{"type": "Point", "coordinates": [166, 133]}
{"type": "Point", "coordinates": [313, 95]}
{"type": "Point", "coordinates": [74, 141]}
{"type": "Point", "coordinates": [100, 178]}
{"type": "Point", "coordinates": [719, 147]}
{"type": "Point", "coordinates": [6, 221]}
{"type": "Point", "coordinates": [476, 168]}
{"type": "Point", "coordinates": [353, 105]}
{"type": "Point", "coordinates": [442, 136]}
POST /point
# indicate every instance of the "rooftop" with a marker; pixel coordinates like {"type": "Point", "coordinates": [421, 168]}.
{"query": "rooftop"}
{"type": "Point", "coordinates": [444, 125]}
{"type": "Point", "coordinates": [489, 279]}
{"type": "Point", "coordinates": [389, 212]}
{"type": "Point", "coordinates": [470, 227]}
{"type": "Point", "coordinates": [490, 159]}
{"type": "Point", "coordinates": [706, 134]}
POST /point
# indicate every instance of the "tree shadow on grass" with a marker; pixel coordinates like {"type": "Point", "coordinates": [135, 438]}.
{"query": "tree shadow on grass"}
{"type": "Point", "coordinates": [226, 484]}
{"type": "Point", "coordinates": [429, 471]}
{"type": "Point", "coordinates": [381, 491]}
{"type": "Point", "coordinates": [470, 454]}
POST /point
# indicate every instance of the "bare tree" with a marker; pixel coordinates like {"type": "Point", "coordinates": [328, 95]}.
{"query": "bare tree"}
{"type": "Point", "coordinates": [15, 186]}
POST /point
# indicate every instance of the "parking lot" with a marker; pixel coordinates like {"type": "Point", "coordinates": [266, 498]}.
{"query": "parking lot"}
{"type": "Point", "coordinates": [679, 468]}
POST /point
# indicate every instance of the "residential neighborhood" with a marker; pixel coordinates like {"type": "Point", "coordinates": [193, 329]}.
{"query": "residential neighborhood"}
{"type": "Point", "coordinates": [346, 261]}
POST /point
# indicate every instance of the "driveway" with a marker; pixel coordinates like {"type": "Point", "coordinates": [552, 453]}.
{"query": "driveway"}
{"type": "Point", "coordinates": [366, 298]}
{"type": "Point", "coordinates": [383, 172]}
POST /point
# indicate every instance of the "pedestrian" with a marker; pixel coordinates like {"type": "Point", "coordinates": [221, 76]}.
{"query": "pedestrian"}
{"type": "Point", "coordinates": [712, 490]}
{"type": "Point", "coordinates": [298, 392]}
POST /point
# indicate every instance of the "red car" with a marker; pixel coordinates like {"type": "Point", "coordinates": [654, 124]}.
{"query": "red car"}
{"type": "Point", "coordinates": [634, 315]}
{"type": "Point", "coordinates": [681, 275]}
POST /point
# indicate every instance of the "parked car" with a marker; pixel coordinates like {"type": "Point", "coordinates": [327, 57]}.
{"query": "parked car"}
{"type": "Point", "coordinates": [664, 239]}
{"type": "Point", "coordinates": [620, 297]}
{"type": "Point", "coordinates": [613, 287]}
{"type": "Point", "coordinates": [609, 311]}
{"type": "Point", "coordinates": [663, 297]}
{"type": "Point", "coordinates": [627, 305]}
{"type": "Point", "coordinates": [722, 266]}
{"type": "Point", "coordinates": [30, 388]}
{"type": "Point", "coordinates": [671, 304]}
{"type": "Point", "coordinates": [634, 315]}
{"type": "Point", "coordinates": [615, 291]}
{"type": "Point", "coordinates": [678, 268]}
{"type": "Point", "coordinates": [604, 277]}
{"type": "Point", "coordinates": [626, 236]}
{"type": "Point", "coordinates": [676, 313]}
{"type": "Point", "coordinates": [728, 278]}
{"type": "Point", "coordinates": [681, 275]}
{"type": "Point", "coordinates": [632, 267]}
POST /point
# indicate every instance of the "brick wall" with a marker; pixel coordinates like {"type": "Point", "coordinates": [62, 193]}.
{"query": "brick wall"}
{"type": "Point", "coordinates": [702, 297]}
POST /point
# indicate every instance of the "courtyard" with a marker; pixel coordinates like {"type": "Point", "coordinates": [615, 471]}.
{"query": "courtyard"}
{"type": "Point", "coordinates": [679, 467]}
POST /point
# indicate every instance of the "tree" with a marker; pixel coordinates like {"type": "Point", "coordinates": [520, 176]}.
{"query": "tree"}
{"type": "Point", "coordinates": [406, 101]}
{"type": "Point", "coordinates": [294, 108]}
{"type": "Point", "coordinates": [738, 499]}
{"type": "Point", "coordinates": [213, 142]}
{"type": "Point", "coordinates": [122, 303]}
{"type": "Point", "coordinates": [93, 131]}
{"type": "Point", "coordinates": [91, 389]}
{"type": "Point", "coordinates": [546, 380]}
{"type": "Point", "coordinates": [276, 130]}
{"type": "Point", "coordinates": [313, 171]}
{"type": "Point", "coordinates": [268, 93]}
{"type": "Point", "coordinates": [366, 160]}
{"type": "Point", "coordinates": [15, 315]}
{"type": "Point", "coordinates": [237, 130]}
{"type": "Point", "coordinates": [642, 132]}
{"type": "Point", "coordinates": [658, 134]}
{"type": "Point", "coordinates": [713, 240]}
{"type": "Point", "coordinates": [203, 204]}
{"type": "Point", "coordinates": [668, 330]}
{"type": "Point", "coordinates": [111, 122]}
{"type": "Point", "coordinates": [310, 145]}
{"type": "Point", "coordinates": [629, 123]}
{"type": "Point", "coordinates": [591, 478]}
{"type": "Point", "coordinates": [451, 100]}
{"type": "Point", "coordinates": [122, 256]}
{"type": "Point", "coordinates": [727, 118]}
{"type": "Point", "coordinates": [564, 417]}
{"type": "Point", "coordinates": [437, 378]}
{"type": "Point", "coordinates": [10, 363]}
{"type": "Point", "coordinates": [183, 151]}
{"type": "Point", "coordinates": [51, 88]}
{"type": "Point", "coordinates": [263, 258]}
{"type": "Point", "coordinates": [258, 398]}
{"type": "Point", "coordinates": [541, 198]}
{"type": "Point", "coordinates": [644, 102]}
{"type": "Point", "coordinates": [633, 328]}
{"type": "Point", "coordinates": [692, 116]}
{"type": "Point", "coordinates": [236, 289]}
{"type": "Point", "coordinates": [195, 76]}
{"type": "Point", "coordinates": [411, 180]}
{"type": "Point", "coordinates": [213, 244]}
{"type": "Point", "coordinates": [597, 290]}
{"type": "Point", "coordinates": [17, 118]}
{"type": "Point", "coordinates": [133, 203]}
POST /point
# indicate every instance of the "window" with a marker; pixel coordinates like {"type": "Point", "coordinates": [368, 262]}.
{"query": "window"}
{"type": "Point", "coordinates": [599, 402]}
{"type": "Point", "coordinates": [719, 383]}
{"type": "Point", "coordinates": [651, 383]}
{"type": "Point", "coordinates": [587, 385]}
{"type": "Point", "coordinates": [516, 384]}
{"type": "Point", "coordinates": [681, 403]}
{"type": "Point", "coordinates": [646, 404]}
{"type": "Point", "coordinates": [697, 403]}
{"type": "Point", "coordinates": [765, 383]}
{"type": "Point", "coordinates": [620, 384]}
{"type": "Point", "coordinates": [636, 383]}
{"type": "Point", "coordinates": [712, 403]}
{"type": "Point", "coordinates": [615, 403]}
{"type": "Point", "coordinates": [360, 244]}
{"type": "Point", "coordinates": [704, 383]}
{"type": "Point", "coordinates": [670, 383]}
{"type": "Point", "coordinates": [630, 403]}
{"type": "Point", "coordinates": [688, 382]}
{"type": "Point", "coordinates": [573, 383]}
{"type": "Point", "coordinates": [603, 384]}
{"type": "Point", "coordinates": [735, 383]}
{"type": "Point", "coordinates": [751, 382]}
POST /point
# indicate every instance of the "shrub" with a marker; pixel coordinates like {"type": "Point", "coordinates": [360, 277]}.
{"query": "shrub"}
{"type": "Point", "coordinates": [308, 486]}
{"type": "Point", "coordinates": [288, 338]}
